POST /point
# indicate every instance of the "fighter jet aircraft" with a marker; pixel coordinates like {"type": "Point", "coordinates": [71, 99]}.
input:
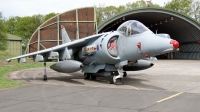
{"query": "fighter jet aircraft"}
{"type": "Point", "coordinates": [108, 54]}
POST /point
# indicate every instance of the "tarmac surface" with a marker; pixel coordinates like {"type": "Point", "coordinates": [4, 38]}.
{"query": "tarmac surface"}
{"type": "Point", "coordinates": [169, 86]}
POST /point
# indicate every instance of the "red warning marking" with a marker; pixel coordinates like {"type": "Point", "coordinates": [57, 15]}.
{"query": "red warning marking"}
{"type": "Point", "coordinates": [140, 51]}
{"type": "Point", "coordinates": [139, 45]}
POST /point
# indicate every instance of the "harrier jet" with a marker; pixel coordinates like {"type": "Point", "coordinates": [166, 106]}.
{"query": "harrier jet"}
{"type": "Point", "coordinates": [108, 54]}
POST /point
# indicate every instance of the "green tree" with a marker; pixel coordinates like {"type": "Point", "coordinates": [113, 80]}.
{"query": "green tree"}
{"type": "Point", "coordinates": [3, 36]}
{"type": "Point", "coordinates": [183, 6]}
{"type": "Point", "coordinates": [99, 13]}
{"type": "Point", "coordinates": [109, 11]}
{"type": "Point", "coordinates": [37, 21]}
{"type": "Point", "coordinates": [26, 27]}
{"type": "Point", "coordinates": [121, 8]}
{"type": "Point", "coordinates": [48, 16]}
{"type": "Point", "coordinates": [140, 4]}
{"type": "Point", "coordinates": [155, 5]}
{"type": "Point", "coordinates": [137, 4]}
{"type": "Point", "coordinates": [196, 10]}
{"type": "Point", "coordinates": [10, 24]}
{"type": "Point", "coordinates": [104, 12]}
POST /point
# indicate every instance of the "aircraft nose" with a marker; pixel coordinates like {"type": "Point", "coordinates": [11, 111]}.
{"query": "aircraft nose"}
{"type": "Point", "coordinates": [158, 45]}
{"type": "Point", "coordinates": [174, 43]}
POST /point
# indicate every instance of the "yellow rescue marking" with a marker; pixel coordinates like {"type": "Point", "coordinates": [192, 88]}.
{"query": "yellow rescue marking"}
{"type": "Point", "coordinates": [133, 87]}
{"type": "Point", "coordinates": [169, 97]}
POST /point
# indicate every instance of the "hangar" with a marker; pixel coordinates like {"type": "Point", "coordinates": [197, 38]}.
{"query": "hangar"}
{"type": "Point", "coordinates": [81, 22]}
{"type": "Point", "coordinates": [180, 27]}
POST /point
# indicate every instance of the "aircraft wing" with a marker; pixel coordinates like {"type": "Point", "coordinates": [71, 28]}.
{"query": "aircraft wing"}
{"type": "Point", "coordinates": [70, 45]}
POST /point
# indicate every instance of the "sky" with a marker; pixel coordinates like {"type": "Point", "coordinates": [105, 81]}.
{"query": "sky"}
{"type": "Point", "coordinates": [22, 8]}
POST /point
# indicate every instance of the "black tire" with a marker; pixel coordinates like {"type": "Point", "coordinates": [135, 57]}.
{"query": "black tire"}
{"type": "Point", "coordinates": [93, 77]}
{"type": "Point", "coordinates": [125, 74]}
{"type": "Point", "coordinates": [86, 76]}
{"type": "Point", "coordinates": [45, 77]}
{"type": "Point", "coordinates": [111, 82]}
{"type": "Point", "coordinates": [119, 82]}
{"type": "Point", "coordinates": [111, 79]}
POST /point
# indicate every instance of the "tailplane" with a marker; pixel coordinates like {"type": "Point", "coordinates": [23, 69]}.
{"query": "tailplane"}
{"type": "Point", "coordinates": [65, 37]}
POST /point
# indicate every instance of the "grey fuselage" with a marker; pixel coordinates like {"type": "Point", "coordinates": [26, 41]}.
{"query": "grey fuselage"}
{"type": "Point", "coordinates": [127, 47]}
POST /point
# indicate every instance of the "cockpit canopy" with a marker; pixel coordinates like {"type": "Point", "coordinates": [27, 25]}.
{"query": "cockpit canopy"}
{"type": "Point", "coordinates": [132, 27]}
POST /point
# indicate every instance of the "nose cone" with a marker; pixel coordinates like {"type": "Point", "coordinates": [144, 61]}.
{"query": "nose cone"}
{"type": "Point", "coordinates": [174, 43]}
{"type": "Point", "coordinates": [159, 45]}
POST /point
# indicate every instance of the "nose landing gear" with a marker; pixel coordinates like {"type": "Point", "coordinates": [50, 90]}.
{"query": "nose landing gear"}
{"type": "Point", "coordinates": [116, 77]}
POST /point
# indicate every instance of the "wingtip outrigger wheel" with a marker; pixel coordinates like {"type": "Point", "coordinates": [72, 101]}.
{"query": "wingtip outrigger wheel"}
{"type": "Point", "coordinates": [45, 76]}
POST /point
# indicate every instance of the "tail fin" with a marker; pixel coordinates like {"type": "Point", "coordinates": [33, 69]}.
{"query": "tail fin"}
{"type": "Point", "coordinates": [65, 37]}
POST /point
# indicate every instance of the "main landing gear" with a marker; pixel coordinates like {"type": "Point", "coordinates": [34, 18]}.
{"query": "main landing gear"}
{"type": "Point", "coordinates": [89, 76]}
{"type": "Point", "coordinates": [45, 72]}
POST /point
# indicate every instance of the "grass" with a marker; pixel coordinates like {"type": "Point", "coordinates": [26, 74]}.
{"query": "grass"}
{"type": "Point", "coordinates": [6, 68]}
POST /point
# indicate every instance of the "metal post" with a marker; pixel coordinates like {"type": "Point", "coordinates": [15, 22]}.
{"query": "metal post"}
{"type": "Point", "coordinates": [77, 31]}
{"type": "Point", "coordinates": [38, 39]}
{"type": "Point", "coordinates": [95, 21]}
{"type": "Point", "coordinates": [58, 29]}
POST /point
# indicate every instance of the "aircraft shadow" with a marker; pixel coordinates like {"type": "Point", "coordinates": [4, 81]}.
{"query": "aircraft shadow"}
{"type": "Point", "coordinates": [138, 83]}
{"type": "Point", "coordinates": [68, 79]}
{"type": "Point", "coordinates": [131, 80]}
{"type": "Point", "coordinates": [52, 76]}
